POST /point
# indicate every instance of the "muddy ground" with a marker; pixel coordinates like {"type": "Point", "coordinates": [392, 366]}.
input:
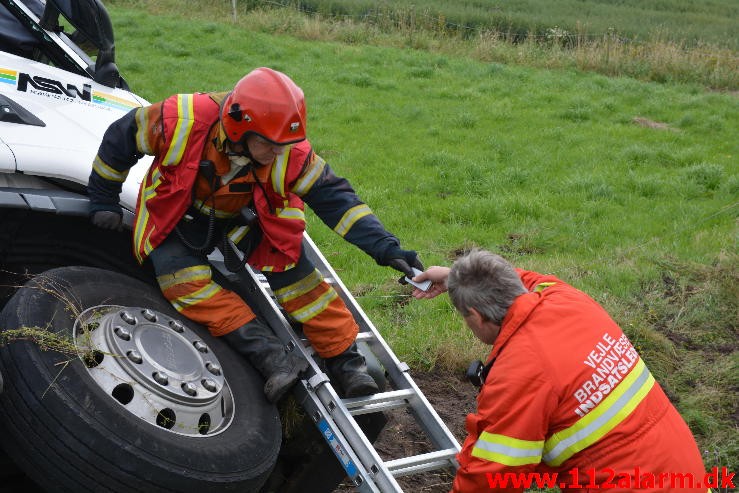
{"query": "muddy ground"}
{"type": "Point", "coordinates": [453, 398]}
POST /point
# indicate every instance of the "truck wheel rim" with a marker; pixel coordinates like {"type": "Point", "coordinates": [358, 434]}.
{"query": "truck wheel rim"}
{"type": "Point", "coordinates": [155, 367]}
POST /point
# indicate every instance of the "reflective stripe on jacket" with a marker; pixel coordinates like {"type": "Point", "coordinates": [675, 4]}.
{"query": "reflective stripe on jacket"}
{"type": "Point", "coordinates": [166, 191]}
{"type": "Point", "coordinates": [175, 131]}
{"type": "Point", "coordinates": [569, 393]}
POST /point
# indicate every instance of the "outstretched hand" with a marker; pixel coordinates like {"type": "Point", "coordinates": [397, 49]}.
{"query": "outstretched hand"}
{"type": "Point", "coordinates": [403, 260]}
{"type": "Point", "coordinates": [438, 276]}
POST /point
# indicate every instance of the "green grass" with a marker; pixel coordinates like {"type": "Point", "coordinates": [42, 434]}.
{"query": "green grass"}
{"type": "Point", "coordinates": [624, 188]}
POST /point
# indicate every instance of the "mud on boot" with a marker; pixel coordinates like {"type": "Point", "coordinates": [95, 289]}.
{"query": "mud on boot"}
{"type": "Point", "coordinates": [349, 370]}
{"type": "Point", "coordinates": [266, 352]}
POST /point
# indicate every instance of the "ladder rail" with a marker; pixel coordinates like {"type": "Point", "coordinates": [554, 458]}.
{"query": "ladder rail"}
{"type": "Point", "coordinates": [333, 415]}
{"type": "Point", "coordinates": [440, 435]}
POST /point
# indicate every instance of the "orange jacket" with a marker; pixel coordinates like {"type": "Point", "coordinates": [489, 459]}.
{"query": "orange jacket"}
{"type": "Point", "coordinates": [568, 393]}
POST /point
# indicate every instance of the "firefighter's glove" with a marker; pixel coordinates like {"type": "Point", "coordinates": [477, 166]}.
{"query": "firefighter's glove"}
{"type": "Point", "coordinates": [107, 220]}
{"type": "Point", "coordinates": [402, 260]}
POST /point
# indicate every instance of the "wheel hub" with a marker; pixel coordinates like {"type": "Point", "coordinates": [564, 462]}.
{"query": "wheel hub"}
{"type": "Point", "coordinates": [156, 367]}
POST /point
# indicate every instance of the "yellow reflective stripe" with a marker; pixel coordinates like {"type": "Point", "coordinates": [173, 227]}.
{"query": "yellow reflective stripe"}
{"type": "Point", "coordinates": [309, 176]}
{"type": "Point", "coordinates": [189, 274]}
{"type": "Point", "coordinates": [181, 133]}
{"type": "Point", "coordinates": [205, 209]}
{"type": "Point", "coordinates": [507, 450]}
{"type": "Point", "coordinates": [303, 286]}
{"type": "Point", "coordinates": [350, 217]}
{"type": "Point", "coordinates": [238, 233]}
{"type": "Point", "coordinates": [203, 294]}
{"type": "Point", "coordinates": [279, 169]}
{"type": "Point", "coordinates": [142, 131]}
{"type": "Point", "coordinates": [291, 213]}
{"type": "Point", "coordinates": [270, 268]}
{"type": "Point", "coordinates": [605, 417]}
{"type": "Point", "coordinates": [142, 214]}
{"type": "Point", "coordinates": [544, 285]}
{"type": "Point", "coordinates": [309, 311]}
{"type": "Point", "coordinates": [108, 172]}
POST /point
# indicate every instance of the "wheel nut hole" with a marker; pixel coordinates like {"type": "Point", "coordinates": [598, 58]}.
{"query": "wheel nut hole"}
{"type": "Point", "coordinates": [93, 358]}
{"type": "Point", "coordinates": [123, 393]}
{"type": "Point", "coordinates": [166, 418]}
{"type": "Point", "coordinates": [204, 424]}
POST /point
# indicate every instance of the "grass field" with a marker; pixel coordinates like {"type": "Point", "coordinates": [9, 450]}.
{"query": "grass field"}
{"type": "Point", "coordinates": [625, 188]}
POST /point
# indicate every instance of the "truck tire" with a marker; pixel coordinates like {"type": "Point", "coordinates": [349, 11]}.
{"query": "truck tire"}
{"type": "Point", "coordinates": [98, 419]}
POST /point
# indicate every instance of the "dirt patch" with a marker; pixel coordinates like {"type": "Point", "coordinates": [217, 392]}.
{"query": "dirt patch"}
{"type": "Point", "coordinates": [453, 398]}
{"type": "Point", "coordinates": [647, 123]}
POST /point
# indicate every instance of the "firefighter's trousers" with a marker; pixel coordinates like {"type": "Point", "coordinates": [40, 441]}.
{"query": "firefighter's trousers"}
{"type": "Point", "coordinates": [186, 280]}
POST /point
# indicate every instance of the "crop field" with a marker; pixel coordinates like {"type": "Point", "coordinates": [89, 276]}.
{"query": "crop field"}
{"type": "Point", "coordinates": [623, 184]}
{"type": "Point", "coordinates": [691, 22]}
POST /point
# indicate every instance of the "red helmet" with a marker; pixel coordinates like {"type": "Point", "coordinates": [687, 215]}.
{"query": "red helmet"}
{"type": "Point", "coordinates": [267, 103]}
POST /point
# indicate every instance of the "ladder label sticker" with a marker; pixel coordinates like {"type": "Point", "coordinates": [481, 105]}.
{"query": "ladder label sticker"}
{"type": "Point", "coordinates": [339, 451]}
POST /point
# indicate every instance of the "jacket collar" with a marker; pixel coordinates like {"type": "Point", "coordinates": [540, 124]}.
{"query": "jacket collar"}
{"type": "Point", "coordinates": [517, 314]}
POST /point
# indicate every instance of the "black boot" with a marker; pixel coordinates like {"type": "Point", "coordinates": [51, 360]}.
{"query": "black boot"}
{"type": "Point", "coordinates": [266, 353]}
{"type": "Point", "coordinates": [349, 369]}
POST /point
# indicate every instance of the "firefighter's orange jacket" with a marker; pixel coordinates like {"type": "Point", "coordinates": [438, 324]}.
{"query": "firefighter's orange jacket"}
{"type": "Point", "coordinates": [568, 393]}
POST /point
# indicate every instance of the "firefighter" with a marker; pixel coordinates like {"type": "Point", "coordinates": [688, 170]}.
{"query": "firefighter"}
{"type": "Point", "coordinates": [236, 169]}
{"type": "Point", "coordinates": [563, 390]}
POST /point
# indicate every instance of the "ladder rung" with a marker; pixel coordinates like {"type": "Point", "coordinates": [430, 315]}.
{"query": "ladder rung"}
{"type": "Point", "coordinates": [365, 336]}
{"type": "Point", "coordinates": [420, 463]}
{"type": "Point", "coordinates": [379, 402]}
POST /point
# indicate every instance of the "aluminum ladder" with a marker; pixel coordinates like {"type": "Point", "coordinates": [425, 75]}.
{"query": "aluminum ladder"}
{"type": "Point", "coordinates": [333, 415]}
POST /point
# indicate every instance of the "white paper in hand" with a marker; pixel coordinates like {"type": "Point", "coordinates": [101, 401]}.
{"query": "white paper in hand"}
{"type": "Point", "coordinates": [423, 286]}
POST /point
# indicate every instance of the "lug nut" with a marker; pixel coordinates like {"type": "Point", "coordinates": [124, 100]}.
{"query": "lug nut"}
{"type": "Point", "coordinates": [176, 326]}
{"type": "Point", "coordinates": [123, 333]}
{"type": "Point", "coordinates": [135, 356]}
{"type": "Point", "coordinates": [209, 385]}
{"type": "Point", "coordinates": [189, 389]}
{"type": "Point", "coordinates": [149, 315]}
{"type": "Point", "coordinates": [161, 378]}
{"type": "Point", "coordinates": [200, 346]}
{"type": "Point", "coordinates": [128, 318]}
{"type": "Point", "coordinates": [213, 368]}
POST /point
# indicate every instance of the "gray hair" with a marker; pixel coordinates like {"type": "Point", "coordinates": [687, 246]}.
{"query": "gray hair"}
{"type": "Point", "coordinates": [486, 282]}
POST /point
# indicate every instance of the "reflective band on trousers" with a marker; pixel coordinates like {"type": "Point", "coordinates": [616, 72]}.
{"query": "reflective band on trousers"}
{"type": "Point", "coordinates": [506, 450]}
{"type": "Point", "coordinates": [605, 417]}
{"type": "Point", "coordinates": [309, 311]}
{"type": "Point", "coordinates": [297, 289]}
{"type": "Point", "coordinates": [202, 294]}
{"type": "Point", "coordinates": [182, 276]}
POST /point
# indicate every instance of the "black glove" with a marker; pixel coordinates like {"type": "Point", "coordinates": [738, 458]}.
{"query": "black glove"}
{"type": "Point", "coordinates": [107, 220]}
{"type": "Point", "coordinates": [402, 260]}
